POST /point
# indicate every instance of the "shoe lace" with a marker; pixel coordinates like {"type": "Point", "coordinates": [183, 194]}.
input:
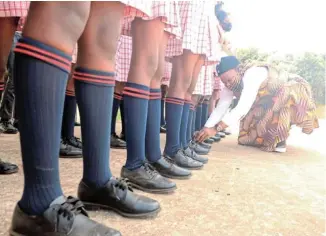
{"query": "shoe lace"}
{"type": "Point", "coordinates": [169, 160]}
{"type": "Point", "coordinates": [123, 184]}
{"type": "Point", "coordinates": [76, 140]}
{"type": "Point", "coordinates": [150, 169]}
{"type": "Point", "coordinates": [72, 206]}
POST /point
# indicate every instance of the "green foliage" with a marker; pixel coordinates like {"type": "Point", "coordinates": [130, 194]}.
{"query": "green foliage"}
{"type": "Point", "coordinates": [310, 66]}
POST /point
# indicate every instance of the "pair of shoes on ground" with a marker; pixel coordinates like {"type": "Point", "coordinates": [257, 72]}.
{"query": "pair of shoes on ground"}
{"type": "Point", "coordinates": [7, 127]}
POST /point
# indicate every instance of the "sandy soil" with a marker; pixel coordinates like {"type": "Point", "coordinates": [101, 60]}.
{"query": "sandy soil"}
{"type": "Point", "coordinates": [241, 191]}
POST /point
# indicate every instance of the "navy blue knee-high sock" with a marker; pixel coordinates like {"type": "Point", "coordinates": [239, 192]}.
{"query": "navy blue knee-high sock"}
{"type": "Point", "coordinates": [135, 107]}
{"type": "Point", "coordinates": [40, 84]}
{"type": "Point", "coordinates": [204, 113]}
{"type": "Point", "coordinates": [116, 104]}
{"type": "Point", "coordinates": [184, 125]}
{"type": "Point", "coordinates": [122, 115]}
{"type": "Point", "coordinates": [69, 115]}
{"type": "Point", "coordinates": [162, 112]}
{"type": "Point", "coordinates": [198, 117]}
{"type": "Point", "coordinates": [152, 140]}
{"type": "Point", "coordinates": [174, 108]}
{"type": "Point", "coordinates": [189, 126]}
{"type": "Point", "coordinates": [194, 121]}
{"type": "Point", "coordinates": [94, 93]}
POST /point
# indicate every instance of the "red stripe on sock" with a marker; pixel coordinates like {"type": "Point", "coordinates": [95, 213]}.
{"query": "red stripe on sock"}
{"type": "Point", "coordinates": [44, 52]}
{"type": "Point", "coordinates": [70, 93]}
{"type": "Point", "coordinates": [117, 96]}
{"type": "Point", "coordinates": [136, 95]}
{"type": "Point", "coordinates": [44, 58]}
{"type": "Point", "coordinates": [155, 95]}
{"type": "Point", "coordinates": [174, 101]}
{"type": "Point", "coordinates": [104, 77]}
{"type": "Point", "coordinates": [139, 91]}
{"type": "Point", "coordinates": [94, 80]}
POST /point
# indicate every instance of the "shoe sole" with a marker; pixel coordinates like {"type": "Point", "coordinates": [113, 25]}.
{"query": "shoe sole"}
{"type": "Point", "coordinates": [176, 177]}
{"type": "Point", "coordinates": [161, 191]}
{"type": "Point", "coordinates": [114, 147]}
{"type": "Point", "coordinates": [193, 168]}
{"type": "Point", "coordinates": [71, 157]}
{"type": "Point", "coordinates": [9, 172]}
{"type": "Point", "coordinates": [9, 132]}
{"type": "Point", "coordinates": [93, 206]}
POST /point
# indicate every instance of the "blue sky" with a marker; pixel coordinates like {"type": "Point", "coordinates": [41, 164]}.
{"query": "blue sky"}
{"type": "Point", "coordinates": [276, 25]}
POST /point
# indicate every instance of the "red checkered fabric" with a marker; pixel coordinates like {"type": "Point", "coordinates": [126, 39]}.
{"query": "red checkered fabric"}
{"type": "Point", "coordinates": [198, 30]}
{"type": "Point", "coordinates": [208, 81]}
{"type": "Point", "coordinates": [167, 11]}
{"type": "Point", "coordinates": [216, 81]}
{"type": "Point", "coordinates": [167, 74]}
{"type": "Point", "coordinates": [123, 58]}
{"type": "Point", "coordinates": [205, 84]}
{"type": "Point", "coordinates": [14, 8]}
{"type": "Point", "coordinates": [74, 54]}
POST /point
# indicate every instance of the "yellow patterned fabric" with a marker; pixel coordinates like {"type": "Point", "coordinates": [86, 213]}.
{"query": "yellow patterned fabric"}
{"type": "Point", "coordinates": [279, 104]}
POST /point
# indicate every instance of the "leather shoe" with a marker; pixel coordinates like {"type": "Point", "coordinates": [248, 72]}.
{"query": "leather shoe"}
{"type": "Point", "coordinates": [184, 161]}
{"type": "Point", "coordinates": [64, 217]}
{"type": "Point", "coordinates": [209, 141]}
{"type": "Point", "coordinates": [167, 168]}
{"type": "Point", "coordinates": [216, 138]}
{"type": "Point", "coordinates": [198, 148]}
{"type": "Point", "coordinates": [117, 195]}
{"type": "Point", "coordinates": [147, 179]}
{"type": "Point", "coordinates": [190, 153]}
{"type": "Point", "coordinates": [117, 143]}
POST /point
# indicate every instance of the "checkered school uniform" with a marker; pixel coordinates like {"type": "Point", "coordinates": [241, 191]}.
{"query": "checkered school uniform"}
{"type": "Point", "coordinates": [216, 81]}
{"type": "Point", "coordinates": [123, 58]}
{"type": "Point", "coordinates": [204, 85]}
{"type": "Point", "coordinates": [198, 29]}
{"type": "Point", "coordinates": [14, 8]}
{"type": "Point", "coordinates": [167, 74]}
{"type": "Point", "coordinates": [167, 11]}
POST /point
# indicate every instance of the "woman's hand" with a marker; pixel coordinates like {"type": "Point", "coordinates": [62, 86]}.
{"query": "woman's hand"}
{"type": "Point", "coordinates": [205, 133]}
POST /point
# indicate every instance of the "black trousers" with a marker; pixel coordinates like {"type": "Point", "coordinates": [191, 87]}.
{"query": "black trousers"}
{"type": "Point", "coordinates": [8, 100]}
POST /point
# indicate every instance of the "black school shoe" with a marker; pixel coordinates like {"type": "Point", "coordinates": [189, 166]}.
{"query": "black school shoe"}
{"type": "Point", "coordinates": [147, 179]}
{"type": "Point", "coordinates": [169, 169]}
{"type": "Point", "coordinates": [8, 128]}
{"type": "Point", "coordinates": [163, 129]}
{"type": "Point", "coordinates": [192, 154]}
{"type": "Point", "coordinates": [216, 138]}
{"type": "Point", "coordinates": [182, 160]}
{"type": "Point", "coordinates": [73, 141]}
{"type": "Point", "coordinates": [200, 150]}
{"type": "Point", "coordinates": [117, 143]}
{"type": "Point", "coordinates": [69, 151]}
{"type": "Point", "coordinates": [64, 217]}
{"type": "Point", "coordinates": [209, 141]}
{"type": "Point", "coordinates": [117, 195]}
{"type": "Point", "coordinates": [7, 168]}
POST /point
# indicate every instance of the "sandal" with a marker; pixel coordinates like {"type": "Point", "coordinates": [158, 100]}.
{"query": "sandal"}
{"type": "Point", "coordinates": [7, 168]}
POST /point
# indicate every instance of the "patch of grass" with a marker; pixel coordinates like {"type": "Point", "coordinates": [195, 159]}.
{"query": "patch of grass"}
{"type": "Point", "coordinates": [321, 110]}
{"type": "Point", "coordinates": [119, 116]}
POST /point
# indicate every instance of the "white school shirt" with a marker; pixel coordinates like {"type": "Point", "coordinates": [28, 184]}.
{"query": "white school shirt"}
{"type": "Point", "coordinates": [252, 80]}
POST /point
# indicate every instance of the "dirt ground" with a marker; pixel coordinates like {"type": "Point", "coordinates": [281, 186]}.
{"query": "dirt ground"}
{"type": "Point", "coordinates": [241, 191]}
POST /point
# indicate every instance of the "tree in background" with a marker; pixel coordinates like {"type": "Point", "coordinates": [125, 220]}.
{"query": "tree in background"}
{"type": "Point", "coordinates": [310, 66]}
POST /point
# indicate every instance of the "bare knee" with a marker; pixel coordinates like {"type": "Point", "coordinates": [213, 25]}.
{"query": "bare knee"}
{"type": "Point", "coordinates": [61, 23]}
